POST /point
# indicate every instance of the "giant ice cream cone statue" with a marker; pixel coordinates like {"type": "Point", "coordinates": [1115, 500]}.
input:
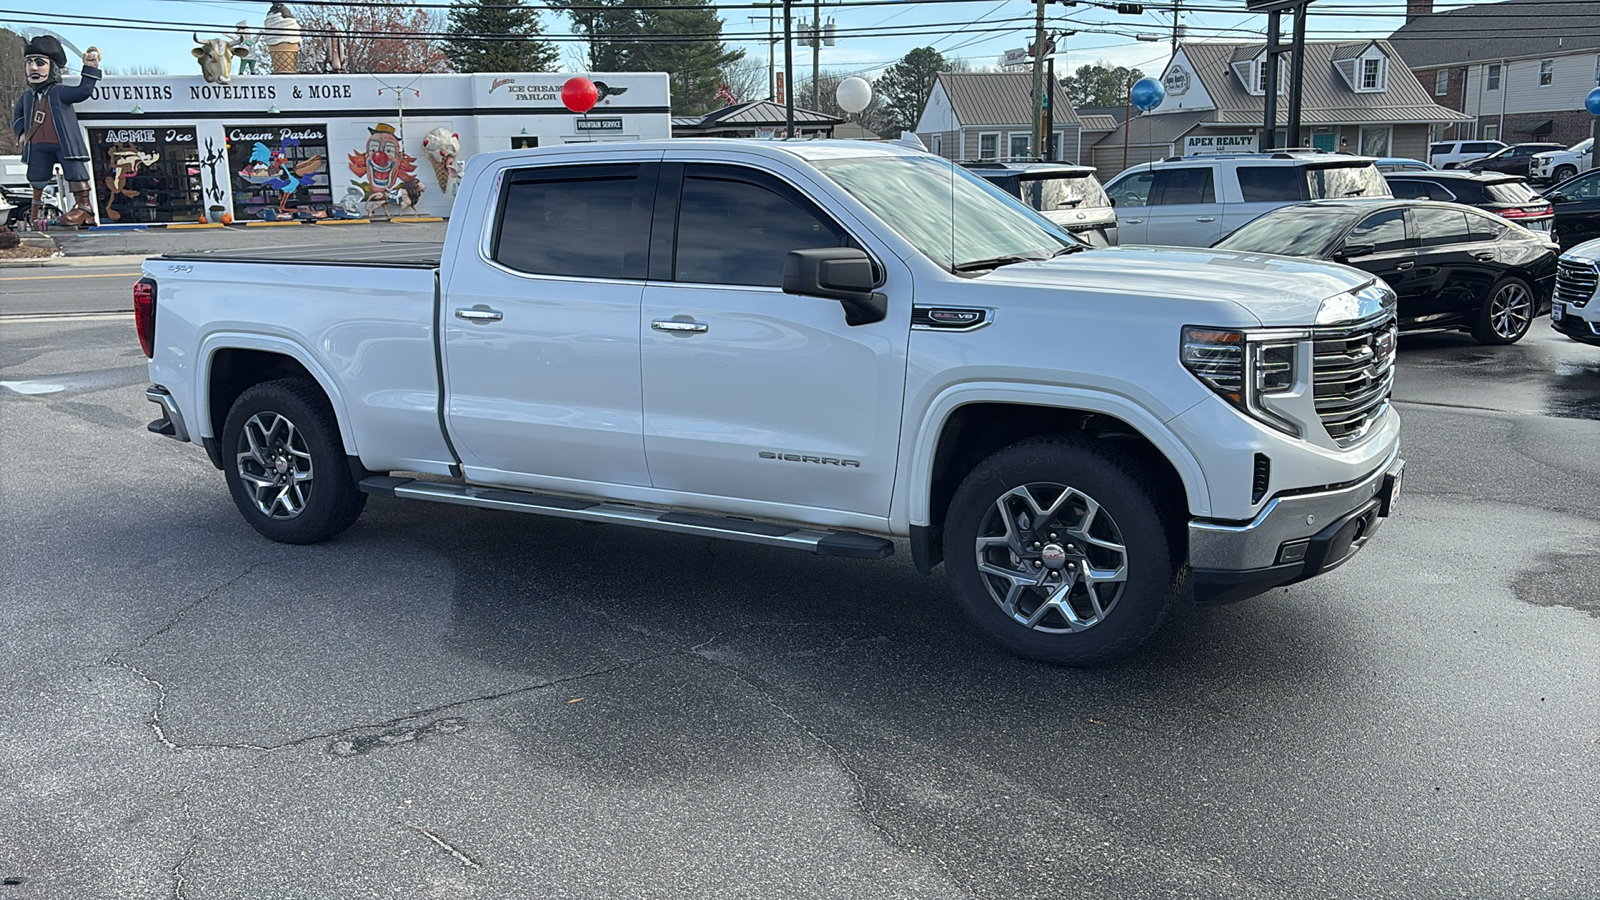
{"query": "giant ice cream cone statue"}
{"type": "Point", "coordinates": [282, 34]}
{"type": "Point", "coordinates": [441, 146]}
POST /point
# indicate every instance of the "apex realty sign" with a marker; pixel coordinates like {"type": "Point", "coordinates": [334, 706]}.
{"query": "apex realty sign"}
{"type": "Point", "coordinates": [1200, 144]}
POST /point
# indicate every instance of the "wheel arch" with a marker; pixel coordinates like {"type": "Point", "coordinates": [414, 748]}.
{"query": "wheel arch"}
{"type": "Point", "coordinates": [963, 427]}
{"type": "Point", "coordinates": [234, 363]}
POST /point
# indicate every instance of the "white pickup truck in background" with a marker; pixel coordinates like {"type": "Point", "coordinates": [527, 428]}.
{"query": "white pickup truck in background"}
{"type": "Point", "coordinates": [822, 345]}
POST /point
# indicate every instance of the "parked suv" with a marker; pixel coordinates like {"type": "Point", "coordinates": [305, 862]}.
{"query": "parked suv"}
{"type": "Point", "coordinates": [1507, 196]}
{"type": "Point", "coordinates": [1069, 196]}
{"type": "Point", "coordinates": [1451, 154]}
{"type": "Point", "coordinates": [1559, 165]}
{"type": "Point", "coordinates": [1513, 160]}
{"type": "Point", "coordinates": [1191, 201]}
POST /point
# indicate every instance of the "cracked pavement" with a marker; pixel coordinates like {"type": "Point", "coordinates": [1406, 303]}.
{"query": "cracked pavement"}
{"type": "Point", "coordinates": [447, 702]}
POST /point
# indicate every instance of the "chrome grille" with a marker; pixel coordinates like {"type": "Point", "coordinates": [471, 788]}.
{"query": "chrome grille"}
{"type": "Point", "coordinates": [1353, 375]}
{"type": "Point", "coordinates": [1576, 282]}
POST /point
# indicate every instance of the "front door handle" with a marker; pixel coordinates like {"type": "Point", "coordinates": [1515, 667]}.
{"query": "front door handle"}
{"type": "Point", "coordinates": [678, 326]}
{"type": "Point", "coordinates": [1205, 218]}
{"type": "Point", "coordinates": [1404, 266]}
{"type": "Point", "coordinates": [1133, 221]}
{"type": "Point", "coordinates": [480, 314]}
{"type": "Point", "coordinates": [1485, 255]}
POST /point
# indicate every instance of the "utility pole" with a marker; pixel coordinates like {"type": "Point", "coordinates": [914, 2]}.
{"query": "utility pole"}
{"type": "Point", "coordinates": [772, 52]}
{"type": "Point", "coordinates": [788, 68]}
{"type": "Point", "coordinates": [816, 52]}
{"type": "Point", "coordinates": [1177, 18]}
{"type": "Point", "coordinates": [1038, 75]}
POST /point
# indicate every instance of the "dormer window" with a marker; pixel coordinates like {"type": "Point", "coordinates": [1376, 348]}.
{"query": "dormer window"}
{"type": "Point", "coordinates": [1371, 74]}
{"type": "Point", "coordinates": [1253, 75]}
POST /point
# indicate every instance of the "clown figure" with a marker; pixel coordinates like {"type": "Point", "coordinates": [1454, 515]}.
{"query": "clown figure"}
{"type": "Point", "coordinates": [47, 128]}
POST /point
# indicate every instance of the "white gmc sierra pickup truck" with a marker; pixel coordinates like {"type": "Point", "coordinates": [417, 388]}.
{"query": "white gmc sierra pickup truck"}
{"type": "Point", "coordinates": [822, 345]}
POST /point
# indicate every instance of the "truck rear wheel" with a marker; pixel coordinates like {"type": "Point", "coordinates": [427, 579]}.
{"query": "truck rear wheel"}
{"type": "Point", "coordinates": [1060, 552]}
{"type": "Point", "coordinates": [285, 464]}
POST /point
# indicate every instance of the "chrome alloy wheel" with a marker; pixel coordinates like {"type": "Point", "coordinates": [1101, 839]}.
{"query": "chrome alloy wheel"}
{"type": "Point", "coordinates": [1051, 558]}
{"type": "Point", "coordinates": [1510, 310]}
{"type": "Point", "coordinates": [274, 465]}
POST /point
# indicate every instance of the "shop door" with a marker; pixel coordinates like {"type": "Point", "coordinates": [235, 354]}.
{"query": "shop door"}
{"type": "Point", "coordinates": [144, 175]}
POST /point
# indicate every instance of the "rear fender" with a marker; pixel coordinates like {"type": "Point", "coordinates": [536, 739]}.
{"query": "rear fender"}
{"type": "Point", "coordinates": [217, 342]}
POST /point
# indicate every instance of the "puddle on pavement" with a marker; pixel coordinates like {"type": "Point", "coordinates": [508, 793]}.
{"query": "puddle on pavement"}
{"type": "Point", "coordinates": [1575, 391]}
{"type": "Point", "coordinates": [1562, 579]}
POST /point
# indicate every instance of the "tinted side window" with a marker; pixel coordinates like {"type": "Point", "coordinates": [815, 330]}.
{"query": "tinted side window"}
{"type": "Point", "coordinates": [1408, 190]}
{"type": "Point", "coordinates": [1480, 147]}
{"type": "Point", "coordinates": [1385, 231]}
{"type": "Point", "coordinates": [1133, 190]}
{"type": "Point", "coordinates": [737, 228]}
{"type": "Point", "coordinates": [1440, 227]}
{"type": "Point", "coordinates": [1440, 192]}
{"type": "Point", "coordinates": [1184, 186]}
{"type": "Point", "coordinates": [1272, 184]}
{"type": "Point", "coordinates": [583, 221]}
{"type": "Point", "coordinates": [1485, 228]}
{"type": "Point", "coordinates": [1439, 148]}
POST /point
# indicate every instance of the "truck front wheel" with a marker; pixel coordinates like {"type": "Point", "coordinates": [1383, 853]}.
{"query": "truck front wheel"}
{"type": "Point", "coordinates": [286, 465]}
{"type": "Point", "coordinates": [1059, 551]}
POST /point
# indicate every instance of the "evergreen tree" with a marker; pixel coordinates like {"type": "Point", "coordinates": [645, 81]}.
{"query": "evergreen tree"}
{"type": "Point", "coordinates": [497, 36]}
{"type": "Point", "coordinates": [683, 40]}
{"type": "Point", "coordinates": [903, 88]}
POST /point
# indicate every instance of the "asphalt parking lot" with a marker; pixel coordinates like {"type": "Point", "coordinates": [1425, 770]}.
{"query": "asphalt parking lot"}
{"type": "Point", "coordinates": [447, 702]}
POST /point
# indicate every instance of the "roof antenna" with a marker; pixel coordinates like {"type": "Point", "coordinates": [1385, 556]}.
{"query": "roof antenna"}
{"type": "Point", "coordinates": [910, 139]}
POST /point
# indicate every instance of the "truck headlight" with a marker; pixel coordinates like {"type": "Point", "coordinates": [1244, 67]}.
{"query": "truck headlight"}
{"type": "Point", "coordinates": [1250, 368]}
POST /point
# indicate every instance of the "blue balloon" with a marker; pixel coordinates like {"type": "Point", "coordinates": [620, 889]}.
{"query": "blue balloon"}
{"type": "Point", "coordinates": [1147, 94]}
{"type": "Point", "coordinates": [1592, 102]}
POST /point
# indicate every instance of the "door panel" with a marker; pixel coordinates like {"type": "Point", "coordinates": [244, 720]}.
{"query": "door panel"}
{"type": "Point", "coordinates": [1445, 265]}
{"type": "Point", "coordinates": [541, 342]}
{"type": "Point", "coordinates": [771, 396]}
{"type": "Point", "coordinates": [1131, 199]}
{"type": "Point", "coordinates": [1185, 212]}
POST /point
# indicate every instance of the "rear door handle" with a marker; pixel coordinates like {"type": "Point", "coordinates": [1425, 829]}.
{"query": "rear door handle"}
{"type": "Point", "coordinates": [1404, 266]}
{"type": "Point", "coordinates": [1205, 218]}
{"type": "Point", "coordinates": [678, 326]}
{"type": "Point", "coordinates": [480, 314]}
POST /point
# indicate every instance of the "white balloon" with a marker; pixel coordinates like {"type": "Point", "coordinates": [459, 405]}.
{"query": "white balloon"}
{"type": "Point", "coordinates": [854, 94]}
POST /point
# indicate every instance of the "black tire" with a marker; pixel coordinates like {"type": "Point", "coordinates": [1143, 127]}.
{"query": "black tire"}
{"type": "Point", "coordinates": [1060, 474]}
{"type": "Point", "coordinates": [285, 464]}
{"type": "Point", "coordinates": [1507, 312]}
{"type": "Point", "coordinates": [1562, 173]}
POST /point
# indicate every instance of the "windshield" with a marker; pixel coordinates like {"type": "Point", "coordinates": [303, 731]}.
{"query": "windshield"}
{"type": "Point", "coordinates": [1051, 194]}
{"type": "Point", "coordinates": [923, 197]}
{"type": "Point", "coordinates": [1582, 146]}
{"type": "Point", "coordinates": [1511, 192]}
{"type": "Point", "coordinates": [1338, 182]}
{"type": "Point", "coordinates": [1289, 232]}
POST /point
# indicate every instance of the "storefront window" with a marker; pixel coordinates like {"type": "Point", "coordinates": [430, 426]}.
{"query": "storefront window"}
{"type": "Point", "coordinates": [279, 171]}
{"type": "Point", "coordinates": [146, 174]}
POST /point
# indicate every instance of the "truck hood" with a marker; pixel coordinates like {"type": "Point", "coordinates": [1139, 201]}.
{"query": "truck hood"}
{"type": "Point", "coordinates": [1276, 290]}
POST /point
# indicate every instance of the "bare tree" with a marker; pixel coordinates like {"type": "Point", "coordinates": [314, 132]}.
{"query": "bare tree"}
{"type": "Point", "coordinates": [747, 79]}
{"type": "Point", "coordinates": [374, 38]}
{"type": "Point", "coordinates": [127, 71]}
{"type": "Point", "coordinates": [876, 118]}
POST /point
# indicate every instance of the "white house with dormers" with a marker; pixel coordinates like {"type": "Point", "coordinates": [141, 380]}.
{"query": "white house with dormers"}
{"type": "Point", "coordinates": [1356, 96]}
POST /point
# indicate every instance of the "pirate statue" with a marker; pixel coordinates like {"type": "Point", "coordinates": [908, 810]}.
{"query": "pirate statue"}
{"type": "Point", "coordinates": [45, 124]}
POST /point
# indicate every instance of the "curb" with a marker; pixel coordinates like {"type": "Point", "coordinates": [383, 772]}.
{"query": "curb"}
{"type": "Point", "coordinates": [71, 261]}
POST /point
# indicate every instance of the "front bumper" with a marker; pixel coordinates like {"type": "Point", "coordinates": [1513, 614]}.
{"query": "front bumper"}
{"type": "Point", "coordinates": [1295, 537]}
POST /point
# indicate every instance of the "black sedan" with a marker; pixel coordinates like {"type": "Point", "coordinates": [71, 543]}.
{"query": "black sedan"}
{"type": "Point", "coordinates": [1576, 202]}
{"type": "Point", "coordinates": [1507, 196]}
{"type": "Point", "coordinates": [1513, 160]}
{"type": "Point", "coordinates": [1451, 265]}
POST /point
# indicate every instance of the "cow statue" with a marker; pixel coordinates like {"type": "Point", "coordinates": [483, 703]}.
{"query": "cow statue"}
{"type": "Point", "coordinates": [216, 58]}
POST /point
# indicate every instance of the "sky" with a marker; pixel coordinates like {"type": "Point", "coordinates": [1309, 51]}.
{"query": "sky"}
{"type": "Point", "coordinates": [129, 34]}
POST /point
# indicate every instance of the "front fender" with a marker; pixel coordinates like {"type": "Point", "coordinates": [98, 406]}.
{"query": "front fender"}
{"type": "Point", "coordinates": [224, 340]}
{"type": "Point", "coordinates": [913, 494]}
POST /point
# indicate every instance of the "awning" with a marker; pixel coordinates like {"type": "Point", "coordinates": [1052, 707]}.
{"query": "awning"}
{"type": "Point", "coordinates": [1537, 129]}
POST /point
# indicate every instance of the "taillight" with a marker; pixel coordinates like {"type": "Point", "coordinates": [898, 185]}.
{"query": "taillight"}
{"type": "Point", "coordinates": [144, 314]}
{"type": "Point", "coordinates": [1525, 213]}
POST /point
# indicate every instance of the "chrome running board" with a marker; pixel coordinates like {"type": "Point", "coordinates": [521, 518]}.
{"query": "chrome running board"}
{"type": "Point", "coordinates": [823, 543]}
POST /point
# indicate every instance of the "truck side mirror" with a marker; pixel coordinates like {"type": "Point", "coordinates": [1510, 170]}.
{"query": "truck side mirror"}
{"type": "Point", "coordinates": [844, 274]}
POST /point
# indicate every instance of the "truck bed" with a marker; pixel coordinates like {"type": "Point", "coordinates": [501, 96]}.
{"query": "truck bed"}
{"type": "Point", "coordinates": [384, 254]}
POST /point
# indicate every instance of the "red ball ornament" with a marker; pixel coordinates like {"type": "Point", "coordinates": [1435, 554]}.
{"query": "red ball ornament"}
{"type": "Point", "coordinates": [579, 95]}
